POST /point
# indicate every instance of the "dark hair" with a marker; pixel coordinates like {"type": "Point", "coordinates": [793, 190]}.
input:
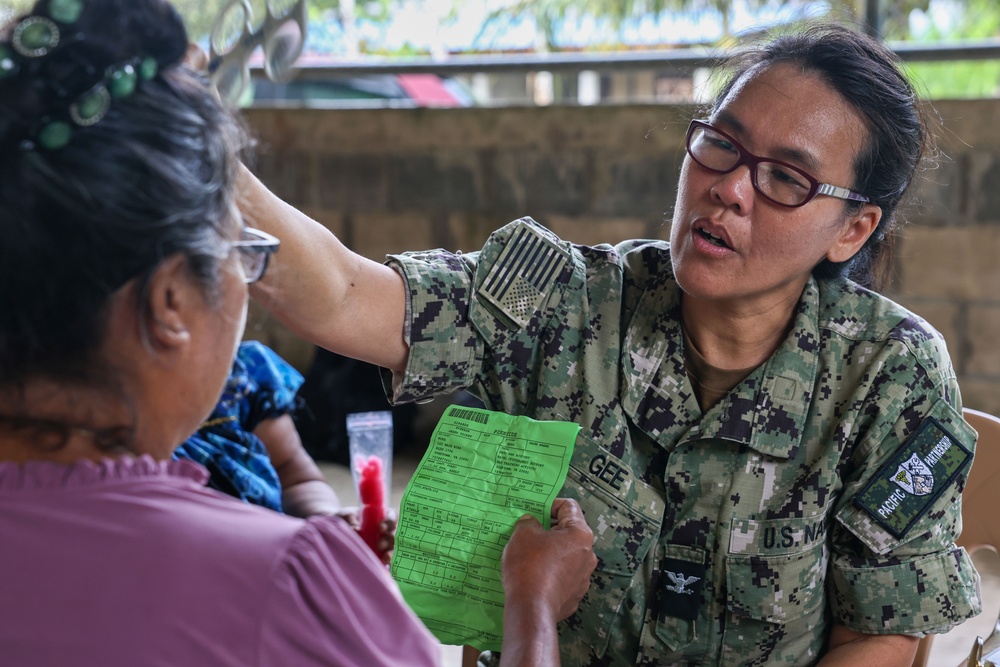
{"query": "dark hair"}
{"type": "Point", "coordinates": [152, 178]}
{"type": "Point", "coordinates": [867, 76]}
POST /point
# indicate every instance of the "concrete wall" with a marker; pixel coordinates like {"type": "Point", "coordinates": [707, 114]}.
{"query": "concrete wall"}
{"type": "Point", "coordinates": [390, 180]}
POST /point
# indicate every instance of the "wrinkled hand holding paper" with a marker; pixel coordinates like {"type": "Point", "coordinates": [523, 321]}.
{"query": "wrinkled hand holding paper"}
{"type": "Point", "coordinates": [482, 471]}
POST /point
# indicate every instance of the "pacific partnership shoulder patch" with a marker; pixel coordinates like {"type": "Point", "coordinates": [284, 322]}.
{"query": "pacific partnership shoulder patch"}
{"type": "Point", "coordinates": [916, 475]}
{"type": "Point", "coordinates": [519, 280]}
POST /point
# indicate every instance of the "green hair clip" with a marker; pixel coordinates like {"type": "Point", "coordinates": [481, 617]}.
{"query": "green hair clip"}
{"type": "Point", "coordinates": [35, 36]}
{"type": "Point", "coordinates": [119, 82]}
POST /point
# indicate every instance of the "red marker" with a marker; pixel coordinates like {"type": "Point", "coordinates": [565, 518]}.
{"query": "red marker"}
{"type": "Point", "coordinates": [371, 490]}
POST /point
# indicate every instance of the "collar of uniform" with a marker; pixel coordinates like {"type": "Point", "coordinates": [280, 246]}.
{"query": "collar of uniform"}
{"type": "Point", "coordinates": [655, 392]}
{"type": "Point", "coordinates": [766, 411]}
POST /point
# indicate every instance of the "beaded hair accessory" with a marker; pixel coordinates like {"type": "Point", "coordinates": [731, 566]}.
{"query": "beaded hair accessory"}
{"type": "Point", "coordinates": [36, 36]}
{"type": "Point", "coordinates": [89, 108]}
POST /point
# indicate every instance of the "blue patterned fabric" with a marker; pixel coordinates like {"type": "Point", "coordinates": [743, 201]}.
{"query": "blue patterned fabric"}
{"type": "Point", "coordinates": [261, 386]}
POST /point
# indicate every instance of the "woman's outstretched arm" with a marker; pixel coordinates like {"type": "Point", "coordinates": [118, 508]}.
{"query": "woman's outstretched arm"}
{"type": "Point", "coordinates": [321, 290]}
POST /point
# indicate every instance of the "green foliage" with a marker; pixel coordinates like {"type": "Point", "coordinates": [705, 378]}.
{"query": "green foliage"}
{"type": "Point", "coordinates": [962, 79]}
{"type": "Point", "coordinates": [17, 6]}
{"type": "Point", "coordinates": [894, 14]}
{"type": "Point", "coordinates": [547, 14]}
{"type": "Point", "coordinates": [11, 8]}
{"type": "Point", "coordinates": [199, 15]}
{"type": "Point", "coordinates": [956, 80]}
{"type": "Point", "coordinates": [976, 19]}
{"type": "Point", "coordinates": [376, 11]}
{"type": "Point", "coordinates": [896, 17]}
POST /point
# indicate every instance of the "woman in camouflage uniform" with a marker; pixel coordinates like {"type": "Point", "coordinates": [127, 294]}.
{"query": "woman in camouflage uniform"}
{"type": "Point", "coordinates": [771, 454]}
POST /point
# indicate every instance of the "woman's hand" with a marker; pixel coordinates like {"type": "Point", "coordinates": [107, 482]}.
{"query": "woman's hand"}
{"type": "Point", "coordinates": [387, 540]}
{"type": "Point", "coordinates": [551, 565]}
{"type": "Point", "coordinates": [545, 575]}
{"type": "Point", "coordinates": [196, 58]}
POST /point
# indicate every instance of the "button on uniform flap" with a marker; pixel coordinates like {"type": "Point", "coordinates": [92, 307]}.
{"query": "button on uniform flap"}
{"type": "Point", "coordinates": [780, 412]}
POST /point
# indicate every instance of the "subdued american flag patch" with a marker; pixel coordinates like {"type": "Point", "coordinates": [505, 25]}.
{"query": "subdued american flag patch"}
{"type": "Point", "coordinates": [519, 280]}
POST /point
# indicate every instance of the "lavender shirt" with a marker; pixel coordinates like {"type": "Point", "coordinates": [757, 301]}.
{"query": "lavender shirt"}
{"type": "Point", "coordinates": [132, 562]}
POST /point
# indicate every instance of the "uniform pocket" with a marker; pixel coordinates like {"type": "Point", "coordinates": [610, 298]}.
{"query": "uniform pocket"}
{"type": "Point", "coordinates": [776, 589]}
{"type": "Point", "coordinates": [776, 605]}
{"type": "Point", "coordinates": [625, 515]}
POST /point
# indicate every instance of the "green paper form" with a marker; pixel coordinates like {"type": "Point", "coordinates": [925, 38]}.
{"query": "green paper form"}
{"type": "Point", "coordinates": [482, 471]}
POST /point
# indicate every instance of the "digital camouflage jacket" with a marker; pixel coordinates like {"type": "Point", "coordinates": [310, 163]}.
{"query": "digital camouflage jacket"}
{"type": "Point", "coordinates": [825, 488]}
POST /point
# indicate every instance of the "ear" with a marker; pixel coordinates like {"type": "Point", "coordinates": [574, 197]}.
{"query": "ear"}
{"type": "Point", "coordinates": [857, 228]}
{"type": "Point", "coordinates": [171, 299]}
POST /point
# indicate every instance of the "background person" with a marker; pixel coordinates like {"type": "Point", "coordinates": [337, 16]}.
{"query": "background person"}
{"type": "Point", "coordinates": [249, 443]}
{"type": "Point", "coordinates": [252, 450]}
{"type": "Point", "coordinates": [123, 286]}
{"type": "Point", "coordinates": [758, 424]}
